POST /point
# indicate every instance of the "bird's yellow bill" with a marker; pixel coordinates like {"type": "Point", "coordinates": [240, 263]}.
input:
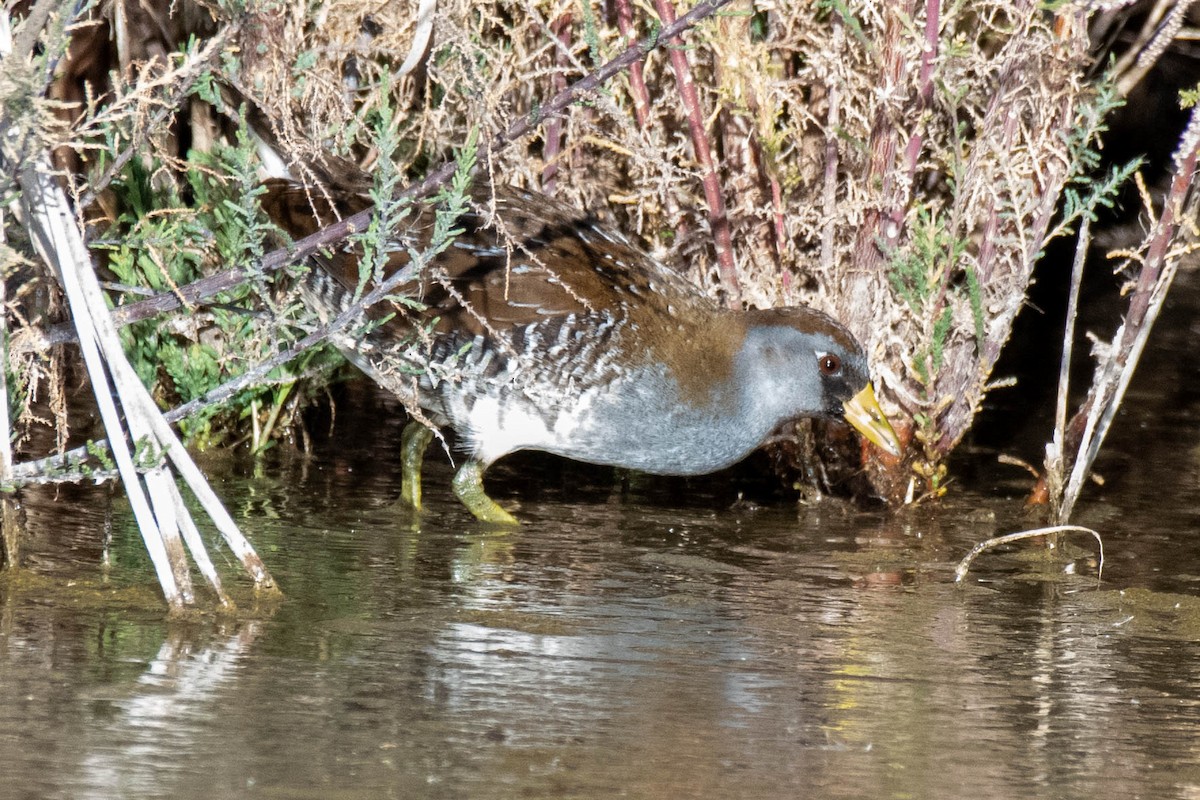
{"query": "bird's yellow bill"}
{"type": "Point", "coordinates": [863, 412]}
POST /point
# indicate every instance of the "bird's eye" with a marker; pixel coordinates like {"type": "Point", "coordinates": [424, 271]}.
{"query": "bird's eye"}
{"type": "Point", "coordinates": [830, 364]}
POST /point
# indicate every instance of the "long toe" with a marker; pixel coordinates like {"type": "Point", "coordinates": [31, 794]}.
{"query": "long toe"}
{"type": "Point", "coordinates": [468, 486]}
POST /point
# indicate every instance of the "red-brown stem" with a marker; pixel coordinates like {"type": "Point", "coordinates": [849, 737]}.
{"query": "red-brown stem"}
{"type": "Point", "coordinates": [912, 152]}
{"type": "Point", "coordinates": [882, 226]}
{"type": "Point", "coordinates": [637, 76]}
{"type": "Point", "coordinates": [560, 29]}
{"type": "Point", "coordinates": [778, 230]}
{"type": "Point", "coordinates": [1164, 234]}
{"type": "Point", "coordinates": [995, 227]}
{"type": "Point", "coordinates": [987, 246]}
{"type": "Point", "coordinates": [718, 219]}
{"type": "Point", "coordinates": [779, 226]}
{"type": "Point", "coordinates": [746, 160]}
{"type": "Point", "coordinates": [765, 169]}
{"type": "Point", "coordinates": [833, 121]}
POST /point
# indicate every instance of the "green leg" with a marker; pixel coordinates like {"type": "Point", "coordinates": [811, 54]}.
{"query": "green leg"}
{"type": "Point", "coordinates": [468, 485]}
{"type": "Point", "coordinates": [413, 441]}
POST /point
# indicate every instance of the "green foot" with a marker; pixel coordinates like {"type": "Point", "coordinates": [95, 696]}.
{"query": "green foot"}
{"type": "Point", "coordinates": [413, 441]}
{"type": "Point", "coordinates": [468, 485]}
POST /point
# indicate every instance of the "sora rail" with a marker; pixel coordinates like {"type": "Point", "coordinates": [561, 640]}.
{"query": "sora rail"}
{"type": "Point", "coordinates": [540, 329]}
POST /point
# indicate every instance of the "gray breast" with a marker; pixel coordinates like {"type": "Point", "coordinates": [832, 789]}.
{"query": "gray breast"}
{"type": "Point", "coordinates": [618, 415]}
{"type": "Point", "coordinates": [570, 386]}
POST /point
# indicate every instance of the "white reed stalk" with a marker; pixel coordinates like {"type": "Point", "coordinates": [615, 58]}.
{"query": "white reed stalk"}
{"type": "Point", "coordinates": [9, 531]}
{"type": "Point", "coordinates": [1101, 417]}
{"type": "Point", "coordinates": [1158, 268]}
{"type": "Point", "coordinates": [1054, 451]}
{"type": "Point", "coordinates": [163, 519]}
{"type": "Point", "coordinates": [57, 237]}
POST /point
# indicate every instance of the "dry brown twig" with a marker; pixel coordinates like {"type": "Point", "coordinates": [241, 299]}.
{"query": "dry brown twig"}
{"type": "Point", "coordinates": [1159, 29]}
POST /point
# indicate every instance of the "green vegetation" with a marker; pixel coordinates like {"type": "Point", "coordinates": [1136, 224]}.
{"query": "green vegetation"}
{"type": "Point", "coordinates": [925, 276]}
{"type": "Point", "coordinates": [170, 234]}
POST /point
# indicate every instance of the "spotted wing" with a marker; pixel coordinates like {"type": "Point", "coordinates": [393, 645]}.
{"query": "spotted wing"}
{"type": "Point", "coordinates": [521, 259]}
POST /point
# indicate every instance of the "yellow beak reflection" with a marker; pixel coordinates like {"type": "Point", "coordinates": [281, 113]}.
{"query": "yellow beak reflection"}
{"type": "Point", "coordinates": [863, 412]}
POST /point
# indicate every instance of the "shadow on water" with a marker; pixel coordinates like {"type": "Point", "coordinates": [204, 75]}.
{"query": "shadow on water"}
{"type": "Point", "coordinates": [648, 641]}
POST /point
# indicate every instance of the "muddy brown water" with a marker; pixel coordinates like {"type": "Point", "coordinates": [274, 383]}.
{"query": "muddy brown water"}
{"type": "Point", "coordinates": [647, 642]}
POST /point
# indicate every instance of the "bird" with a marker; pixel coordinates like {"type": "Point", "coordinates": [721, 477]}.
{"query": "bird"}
{"type": "Point", "coordinates": [541, 328]}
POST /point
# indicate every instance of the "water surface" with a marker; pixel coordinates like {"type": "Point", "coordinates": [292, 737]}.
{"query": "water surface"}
{"type": "Point", "coordinates": [642, 642]}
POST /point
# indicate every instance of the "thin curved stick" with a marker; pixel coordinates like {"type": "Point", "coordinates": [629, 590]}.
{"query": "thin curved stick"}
{"type": "Point", "coordinates": [965, 564]}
